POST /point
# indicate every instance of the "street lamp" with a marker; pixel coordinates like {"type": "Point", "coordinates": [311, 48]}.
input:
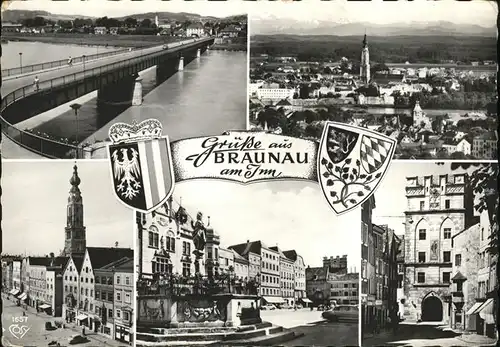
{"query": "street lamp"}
{"type": "Point", "coordinates": [76, 107]}
{"type": "Point", "coordinates": [83, 59]}
{"type": "Point", "coordinates": [21, 61]}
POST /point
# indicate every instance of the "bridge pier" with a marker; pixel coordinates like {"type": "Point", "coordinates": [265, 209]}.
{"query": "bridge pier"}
{"type": "Point", "coordinates": [181, 64]}
{"type": "Point", "coordinates": [198, 53]}
{"type": "Point", "coordinates": [137, 93]}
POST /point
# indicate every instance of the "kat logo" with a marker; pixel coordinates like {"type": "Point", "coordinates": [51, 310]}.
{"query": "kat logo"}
{"type": "Point", "coordinates": [18, 331]}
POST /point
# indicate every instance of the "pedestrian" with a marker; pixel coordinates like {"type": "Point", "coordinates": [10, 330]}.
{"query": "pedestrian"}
{"type": "Point", "coordinates": [70, 61]}
{"type": "Point", "coordinates": [36, 83]}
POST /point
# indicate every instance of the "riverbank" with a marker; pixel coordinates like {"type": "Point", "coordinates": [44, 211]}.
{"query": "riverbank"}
{"type": "Point", "coordinates": [93, 40]}
{"type": "Point", "coordinates": [241, 47]}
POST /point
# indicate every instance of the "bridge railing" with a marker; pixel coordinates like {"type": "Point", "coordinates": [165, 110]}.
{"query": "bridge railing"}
{"type": "Point", "coordinates": [50, 147]}
{"type": "Point", "coordinates": [57, 63]}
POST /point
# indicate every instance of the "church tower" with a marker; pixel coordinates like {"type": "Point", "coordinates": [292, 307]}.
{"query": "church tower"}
{"type": "Point", "coordinates": [364, 72]}
{"type": "Point", "coordinates": [75, 234]}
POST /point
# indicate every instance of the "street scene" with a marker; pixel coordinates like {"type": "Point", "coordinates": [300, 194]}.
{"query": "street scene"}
{"type": "Point", "coordinates": [70, 71]}
{"type": "Point", "coordinates": [200, 282]}
{"type": "Point", "coordinates": [74, 285]}
{"type": "Point", "coordinates": [429, 256]}
{"type": "Point", "coordinates": [423, 74]}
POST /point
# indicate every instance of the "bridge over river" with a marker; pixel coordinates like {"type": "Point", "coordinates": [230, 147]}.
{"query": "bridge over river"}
{"type": "Point", "coordinates": [114, 76]}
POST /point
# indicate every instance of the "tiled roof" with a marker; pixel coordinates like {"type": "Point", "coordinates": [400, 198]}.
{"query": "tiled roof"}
{"type": "Point", "coordinates": [78, 261]}
{"type": "Point", "coordinates": [459, 276]}
{"type": "Point", "coordinates": [197, 25]}
{"type": "Point", "coordinates": [490, 135]}
{"type": "Point", "coordinates": [101, 256]}
{"type": "Point", "coordinates": [292, 254]}
{"type": "Point", "coordinates": [238, 257]}
{"type": "Point", "coordinates": [388, 77]}
{"type": "Point", "coordinates": [244, 248]}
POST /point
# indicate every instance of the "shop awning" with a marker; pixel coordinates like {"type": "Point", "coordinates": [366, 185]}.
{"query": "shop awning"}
{"type": "Point", "coordinates": [306, 300]}
{"type": "Point", "coordinates": [81, 317]}
{"type": "Point", "coordinates": [14, 291]}
{"type": "Point", "coordinates": [273, 299]}
{"type": "Point", "coordinates": [23, 296]}
{"type": "Point", "coordinates": [486, 312]}
{"type": "Point", "coordinates": [44, 306]}
{"type": "Point", "coordinates": [473, 309]}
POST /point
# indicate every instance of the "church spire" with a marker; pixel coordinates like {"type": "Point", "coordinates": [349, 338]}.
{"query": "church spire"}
{"type": "Point", "coordinates": [75, 233]}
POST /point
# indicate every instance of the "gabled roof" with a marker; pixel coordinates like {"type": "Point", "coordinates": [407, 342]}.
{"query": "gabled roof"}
{"type": "Point", "coordinates": [101, 256]}
{"type": "Point", "coordinates": [238, 257]}
{"type": "Point", "coordinates": [291, 254]}
{"type": "Point", "coordinates": [283, 102]}
{"type": "Point", "coordinates": [196, 25]}
{"type": "Point", "coordinates": [78, 261]}
{"type": "Point", "coordinates": [458, 276]}
{"type": "Point", "coordinates": [244, 248]}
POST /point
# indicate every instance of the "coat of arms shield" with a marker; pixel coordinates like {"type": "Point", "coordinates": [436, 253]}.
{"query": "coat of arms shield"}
{"type": "Point", "coordinates": [141, 164]}
{"type": "Point", "coordinates": [351, 163]}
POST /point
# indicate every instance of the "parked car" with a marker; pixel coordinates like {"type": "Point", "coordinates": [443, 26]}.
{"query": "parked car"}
{"type": "Point", "coordinates": [298, 306]}
{"type": "Point", "coordinates": [286, 306]}
{"type": "Point", "coordinates": [268, 307]}
{"type": "Point", "coordinates": [348, 313]}
{"type": "Point", "coordinates": [77, 339]}
{"type": "Point", "coordinates": [49, 326]}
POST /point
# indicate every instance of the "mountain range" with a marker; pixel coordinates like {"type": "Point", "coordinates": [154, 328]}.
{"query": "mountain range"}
{"type": "Point", "coordinates": [274, 26]}
{"type": "Point", "coordinates": [17, 15]}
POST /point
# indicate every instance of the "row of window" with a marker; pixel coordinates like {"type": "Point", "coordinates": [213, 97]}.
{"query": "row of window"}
{"type": "Point", "coordinates": [119, 313]}
{"type": "Point", "coordinates": [422, 234]}
{"type": "Point", "coordinates": [287, 275]}
{"type": "Point", "coordinates": [445, 277]}
{"type": "Point", "coordinates": [446, 205]}
{"type": "Point", "coordinates": [354, 293]}
{"type": "Point", "coordinates": [270, 291]}
{"type": "Point", "coordinates": [446, 257]}
{"type": "Point", "coordinates": [344, 285]}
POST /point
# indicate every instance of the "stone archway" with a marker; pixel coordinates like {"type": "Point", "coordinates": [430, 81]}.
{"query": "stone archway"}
{"type": "Point", "coordinates": [432, 309]}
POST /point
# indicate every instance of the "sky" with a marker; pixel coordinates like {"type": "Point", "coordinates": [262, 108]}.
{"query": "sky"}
{"type": "Point", "coordinates": [290, 214]}
{"type": "Point", "coordinates": [390, 199]}
{"type": "Point", "coordinates": [34, 200]}
{"type": "Point", "coordinates": [100, 8]}
{"type": "Point", "coordinates": [479, 12]}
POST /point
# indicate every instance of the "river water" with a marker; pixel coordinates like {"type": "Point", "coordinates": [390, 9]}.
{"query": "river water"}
{"type": "Point", "coordinates": [37, 52]}
{"type": "Point", "coordinates": [208, 97]}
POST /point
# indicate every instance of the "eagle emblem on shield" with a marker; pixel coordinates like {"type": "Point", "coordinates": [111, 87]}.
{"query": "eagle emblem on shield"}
{"type": "Point", "coordinates": [141, 164]}
{"type": "Point", "coordinates": [352, 162]}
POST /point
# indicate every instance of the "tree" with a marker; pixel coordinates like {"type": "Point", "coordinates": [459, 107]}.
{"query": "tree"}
{"type": "Point", "coordinates": [130, 22]}
{"type": "Point", "coordinates": [146, 23]}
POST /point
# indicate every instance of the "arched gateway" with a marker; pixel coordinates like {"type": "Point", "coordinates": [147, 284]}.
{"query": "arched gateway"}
{"type": "Point", "coordinates": [432, 308]}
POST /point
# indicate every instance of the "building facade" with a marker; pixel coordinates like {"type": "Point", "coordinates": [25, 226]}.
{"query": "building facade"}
{"type": "Point", "coordinates": [226, 259]}
{"type": "Point", "coordinates": [124, 294]}
{"type": "Point", "coordinates": [287, 277]}
{"type": "Point", "coordinates": [435, 213]}
{"type": "Point", "coordinates": [299, 268]}
{"type": "Point", "coordinates": [368, 283]}
{"type": "Point", "coordinates": [464, 282]}
{"type": "Point", "coordinates": [344, 288]}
